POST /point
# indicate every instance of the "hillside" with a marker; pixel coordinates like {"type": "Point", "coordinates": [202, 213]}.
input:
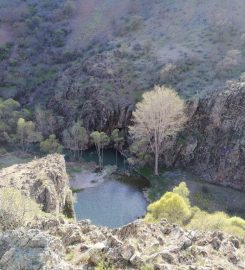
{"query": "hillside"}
{"type": "Point", "coordinates": [73, 54]}
{"type": "Point", "coordinates": [90, 61]}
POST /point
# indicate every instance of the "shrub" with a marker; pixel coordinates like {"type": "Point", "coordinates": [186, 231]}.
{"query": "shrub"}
{"type": "Point", "coordinates": [4, 52]}
{"type": "Point", "coordinates": [217, 221]}
{"type": "Point", "coordinates": [168, 73]}
{"type": "Point", "coordinates": [147, 267]}
{"type": "Point", "coordinates": [239, 222]}
{"type": "Point", "coordinates": [104, 265]}
{"type": "Point", "coordinates": [183, 191]}
{"type": "Point", "coordinates": [171, 206]}
{"type": "Point", "coordinates": [175, 207]}
{"type": "Point", "coordinates": [2, 151]}
{"type": "Point", "coordinates": [51, 145]}
{"type": "Point", "coordinates": [16, 209]}
{"type": "Point", "coordinates": [69, 8]}
{"type": "Point", "coordinates": [204, 221]}
{"type": "Point", "coordinates": [229, 64]}
{"type": "Point", "coordinates": [132, 23]}
{"type": "Point", "coordinates": [140, 151]}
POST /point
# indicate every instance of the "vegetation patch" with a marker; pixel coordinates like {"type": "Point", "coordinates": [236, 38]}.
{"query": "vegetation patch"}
{"type": "Point", "coordinates": [175, 206]}
{"type": "Point", "coordinates": [17, 209]}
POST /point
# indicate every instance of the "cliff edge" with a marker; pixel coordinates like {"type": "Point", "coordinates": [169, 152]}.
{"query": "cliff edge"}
{"type": "Point", "coordinates": [45, 180]}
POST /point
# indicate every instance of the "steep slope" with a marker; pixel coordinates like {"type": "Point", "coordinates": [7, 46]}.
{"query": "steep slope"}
{"type": "Point", "coordinates": [81, 52]}
{"type": "Point", "coordinates": [45, 180]}
{"type": "Point", "coordinates": [213, 142]}
{"type": "Point", "coordinates": [182, 44]}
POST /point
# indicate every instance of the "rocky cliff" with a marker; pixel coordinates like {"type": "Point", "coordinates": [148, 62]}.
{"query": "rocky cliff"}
{"type": "Point", "coordinates": [45, 180]}
{"type": "Point", "coordinates": [57, 244]}
{"type": "Point", "coordinates": [213, 143]}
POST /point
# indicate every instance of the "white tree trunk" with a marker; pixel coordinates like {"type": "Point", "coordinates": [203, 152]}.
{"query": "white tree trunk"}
{"type": "Point", "coordinates": [156, 163]}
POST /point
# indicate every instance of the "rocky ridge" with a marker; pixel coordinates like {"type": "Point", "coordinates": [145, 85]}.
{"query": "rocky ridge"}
{"type": "Point", "coordinates": [162, 246]}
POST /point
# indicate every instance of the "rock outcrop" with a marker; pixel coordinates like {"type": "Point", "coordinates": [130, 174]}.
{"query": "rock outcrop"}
{"type": "Point", "coordinates": [31, 250]}
{"type": "Point", "coordinates": [161, 246]}
{"type": "Point", "coordinates": [45, 180]}
{"type": "Point", "coordinates": [213, 143]}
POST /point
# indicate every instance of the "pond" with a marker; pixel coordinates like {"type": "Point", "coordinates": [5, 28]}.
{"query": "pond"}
{"type": "Point", "coordinates": [113, 200]}
{"type": "Point", "coordinates": [108, 199]}
{"type": "Point", "coordinates": [113, 203]}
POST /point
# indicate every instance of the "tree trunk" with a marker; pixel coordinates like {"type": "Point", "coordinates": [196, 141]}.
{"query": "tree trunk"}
{"type": "Point", "coordinates": [102, 159]}
{"type": "Point", "coordinates": [156, 152]}
{"type": "Point", "coordinates": [156, 163]}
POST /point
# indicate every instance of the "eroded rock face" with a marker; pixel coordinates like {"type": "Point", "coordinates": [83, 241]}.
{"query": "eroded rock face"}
{"type": "Point", "coordinates": [221, 151]}
{"type": "Point", "coordinates": [45, 180]}
{"type": "Point", "coordinates": [31, 250]}
{"type": "Point", "coordinates": [161, 245]}
{"type": "Point", "coordinates": [214, 140]}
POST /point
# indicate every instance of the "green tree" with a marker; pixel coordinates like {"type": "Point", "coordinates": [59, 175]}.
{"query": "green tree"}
{"type": "Point", "coordinates": [118, 141]}
{"type": "Point", "coordinates": [27, 134]}
{"type": "Point", "coordinates": [51, 145]}
{"type": "Point", "coordinates": [159, 115]}
{"type": "Point", "coordinates": [46, 122]}
{"type": "Point", "coordinates": [69, 8]}
{"type": "Point", "coordinates": [76, 139]}
{"type": "Point", "coordinates": [9, 114]}
{"type": "Point", "coordinates": [100, 140]}
{"type": "Point", "coordinates": [140, 153]}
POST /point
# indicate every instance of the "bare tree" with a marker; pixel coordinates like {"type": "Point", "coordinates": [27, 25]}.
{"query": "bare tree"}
{"type": "Point", "coordinates": [160, 114]}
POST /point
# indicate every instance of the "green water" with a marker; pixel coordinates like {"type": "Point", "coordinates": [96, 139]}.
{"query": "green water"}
{"type": "Point", "coordinates": [109, 158]}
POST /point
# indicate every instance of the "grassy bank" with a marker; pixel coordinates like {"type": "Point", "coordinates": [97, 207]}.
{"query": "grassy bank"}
{"type": "Point", "coordinates": [208, 197]}
{"type": "Point", "coordinates": [176, 207]}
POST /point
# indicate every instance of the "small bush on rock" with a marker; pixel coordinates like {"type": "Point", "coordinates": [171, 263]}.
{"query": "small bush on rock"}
{"type": "Point", "coordinates": [103, 265]}
{"type": "Point", "coordinates": [16, 209]}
